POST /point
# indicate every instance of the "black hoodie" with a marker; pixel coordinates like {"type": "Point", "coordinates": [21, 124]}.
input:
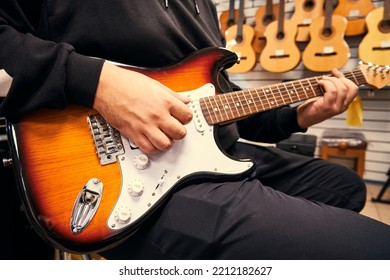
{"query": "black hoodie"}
{"type": "Point", "coordinates": [47, 45]}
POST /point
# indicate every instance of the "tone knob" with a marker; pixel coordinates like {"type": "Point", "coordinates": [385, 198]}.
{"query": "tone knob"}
{"type": "Point", "coordinates": [123, 215]}
{"type": "Point", "coordinates": [141, 161]}
{"type": "Point", "coordinates": [136, 187]}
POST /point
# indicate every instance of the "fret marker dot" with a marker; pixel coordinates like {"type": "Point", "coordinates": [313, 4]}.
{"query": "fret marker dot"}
{"type": "Point", "coordinates": [238, 104]}
{"type": "Point", "coordinates": [216, 109]}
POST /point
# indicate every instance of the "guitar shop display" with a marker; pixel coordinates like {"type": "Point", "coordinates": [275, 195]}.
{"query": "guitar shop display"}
{"type": "Point", "coordinates": [327, 48]}
{"type": "Point", "coordinates": [239, 40]}
{"type": "Point", "coordinates": [304, 13]}
{"type": "Point", "coordinates": [280, 54]}
{"type": "Point", "coordinates": [375, 46]}
{"type": "Point", "coordinates": [86, 187]}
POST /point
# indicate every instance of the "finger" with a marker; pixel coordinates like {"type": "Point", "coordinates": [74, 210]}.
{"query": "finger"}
{"type": "Point", "coordinates": [181, 112]}
{"type": "Point", "coordinates": [159, 140]}
{"type": "Point", "coordinates": [173, 129]}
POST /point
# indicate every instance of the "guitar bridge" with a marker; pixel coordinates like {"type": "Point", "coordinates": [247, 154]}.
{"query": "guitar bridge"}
{"type": "Point", "coordinates": [108, 142]}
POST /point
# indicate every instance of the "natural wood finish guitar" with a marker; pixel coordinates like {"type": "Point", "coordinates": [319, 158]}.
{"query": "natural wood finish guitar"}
{"type": "Point", "coordinates": [239, 40]}
{"type": "Point", "coordinates": [327, 48]}
{"type": "Point", "coordinates": [264, 16]}
{"type": "Point", "coordinates": [304, 14]}
{"type": "Point", "coordinates": [355, 11]}
{"type": "Point", "coordinates": [281, 53]}
{"type": "Point", "coordinates": [375, 46]}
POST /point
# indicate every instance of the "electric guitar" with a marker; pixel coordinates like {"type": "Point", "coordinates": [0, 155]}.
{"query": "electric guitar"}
{"type": "Point", "coordinates": [264, 16]}
{"type": "Point", "coordinates": [280, 53]}
{"type": "Point", "coordinates": [304, 13]}
{"type": "Point", "coordinates": [327, 48]}
{"type": "Point", "coordinates": [375, 46]}
{"type": "Point", "coordinates": [87, 188]}
{"type": "Point", "coordinates": [355, 11]}
{"type": "Point", "coordinates": [239, 40]}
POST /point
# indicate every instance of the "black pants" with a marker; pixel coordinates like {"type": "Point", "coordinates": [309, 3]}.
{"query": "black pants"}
{"type": "Point", "coordinates": [289, 207]}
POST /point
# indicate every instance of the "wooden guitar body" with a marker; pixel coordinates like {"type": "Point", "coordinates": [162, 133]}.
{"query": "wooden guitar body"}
{"type": "Point", "coordinates": [326, 51]}
{"type": "Point", "coordinates": [226, 20]}
{"type": "Point", "coordinates": [264, 16]}
{"type": "Point", "coordinates": [281, 54]}
{"type": "Point", "coordinates": [355, 11]}
{"type": "Point", "coordinates": [242, 46]}
{"type": "Point", "coordinates": [375, 46]}
{"type": "Point", "coordinates": [305, 12]}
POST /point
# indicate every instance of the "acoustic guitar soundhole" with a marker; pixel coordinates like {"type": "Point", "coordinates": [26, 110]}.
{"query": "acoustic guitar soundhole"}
{"type": "Point", "coordinates": [384, 26]}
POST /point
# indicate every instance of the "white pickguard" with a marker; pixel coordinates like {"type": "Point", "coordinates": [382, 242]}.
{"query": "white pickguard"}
{"type": "Point", "coordinates": [196, 153]}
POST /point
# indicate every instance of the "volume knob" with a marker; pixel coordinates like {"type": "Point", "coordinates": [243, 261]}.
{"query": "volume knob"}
{"type": "Point", "coordinates": [141, 161]}
{"type": "Point", "coordinates": [136, 187]}
{"type": "Point", "coordinates": [123, 215]}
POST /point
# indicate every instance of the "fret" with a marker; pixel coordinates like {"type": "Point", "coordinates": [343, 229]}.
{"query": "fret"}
{"type": "Point", "coordinates": [280, 93]}
{"type": "Point", "coordinates": [292, 91]}
{"type": "Point", "coordinates": [288, 93]}
{"type": "Point", "coordinates": [244, 102]}
{"type": "Point", "coordinates": [213, 108]}
{"type": "Point", "coordinates": [226, 105]}
{"type": "Point", "coordinates": [232, 106]}
{"type": "Point", "coordinates": [273, 95]}
{"type": "Point", "coordinates": [266, 97]}
{"type": "Point", "coordinates": [253, 99]}
{"type": "Point", "coordinates": [260, 99]}
{"type": "Point", "coordinates": [319, 89]}
{"type": "Point", "coordinates": [307, 88]}
{"type": "Point", "coordinates": [238, 105]}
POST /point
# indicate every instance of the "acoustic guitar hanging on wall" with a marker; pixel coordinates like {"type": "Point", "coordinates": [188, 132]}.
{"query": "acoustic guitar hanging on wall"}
{"type": "Point", "coordinates": [239, 40]}
{"type": "Point", "coordinates": [281, 53]}
{"type": "Point", "coordinates": [304, 14]}
{"type": "Point", "coordinates": [375, 46]}
{"type": "Point", "coordinates": [264, 16]}
{"type": "Point", "coordinates": [355, 11]}
{"type": "Point", "coordinates": [327, 48]}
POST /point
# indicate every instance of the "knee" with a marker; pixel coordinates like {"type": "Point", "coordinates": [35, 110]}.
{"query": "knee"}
{"type": "Point", "coordinates": [358, 192]}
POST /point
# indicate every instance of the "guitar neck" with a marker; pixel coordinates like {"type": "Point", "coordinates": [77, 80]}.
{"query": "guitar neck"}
{"type": "Point", "coordinates": [386, 12]}
{"type": "Point", "coordinates": [281, 19]}
{"type": "Point", "coordinates": [268, 7]}
{"type": "Point", "coordinates": [229, 107]}
{"type": "Point", "coordinates": [231, 10]}
{"type": "Point", "coordinates": [240, 20]}
{"type": "Point", "coordinates": [328, 14]}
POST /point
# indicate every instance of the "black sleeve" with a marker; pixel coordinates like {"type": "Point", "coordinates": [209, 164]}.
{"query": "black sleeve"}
{"type": "Point", "coordinates": [270, 126]}
{"type": "Point", "coordinates": [45, 73]}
